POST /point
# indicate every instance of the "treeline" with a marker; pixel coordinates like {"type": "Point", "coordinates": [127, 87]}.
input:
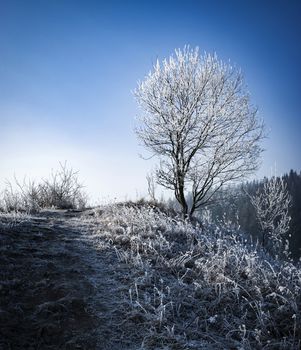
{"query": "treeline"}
{"type": "Point", "coordinates": [233, 205]}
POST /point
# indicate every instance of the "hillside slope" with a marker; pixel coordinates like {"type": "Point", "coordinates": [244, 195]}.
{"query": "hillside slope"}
{"type": "Point", "coordinates": [58, 290]}
{"type": "Point", "coordinates": [132, 277]}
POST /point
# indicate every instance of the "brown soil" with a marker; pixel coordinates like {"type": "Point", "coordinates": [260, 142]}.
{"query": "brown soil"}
{"type": "Point", "coordinates": [59, 288]}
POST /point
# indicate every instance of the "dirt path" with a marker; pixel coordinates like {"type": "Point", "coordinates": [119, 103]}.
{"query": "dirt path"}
{"type": "Point", "coordinates": [59, 287]}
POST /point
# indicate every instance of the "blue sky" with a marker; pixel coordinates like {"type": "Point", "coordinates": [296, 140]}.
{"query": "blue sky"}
{"type": "Point", "coordinates": [67, 69]}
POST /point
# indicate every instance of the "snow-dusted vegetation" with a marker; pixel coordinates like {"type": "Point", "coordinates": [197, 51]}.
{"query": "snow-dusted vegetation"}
{"type": "Point", "coordinates": [61, 189]}
{"type": "Point", "coordinates": [272, 211]}
{"type": "Point", "coordinates": [198, 120]}
{"type": "Point", "coordinates": [138, 276]}
{"type": "Point", "coordinates": [193, 287]}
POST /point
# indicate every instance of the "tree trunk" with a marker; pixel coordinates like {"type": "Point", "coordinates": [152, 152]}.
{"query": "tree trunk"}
{"type": "Point", "coordinates": [182, 201]}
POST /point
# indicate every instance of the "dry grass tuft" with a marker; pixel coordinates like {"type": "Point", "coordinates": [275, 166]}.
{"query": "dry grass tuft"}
{"type": "Point", "coordinates": [201, 288]}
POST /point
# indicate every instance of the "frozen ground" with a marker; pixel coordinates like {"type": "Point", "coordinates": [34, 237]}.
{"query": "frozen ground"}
{"type": "Point", "coordinates": [130, 276]}
{"type": "Point", "coordinates": [59, 288]}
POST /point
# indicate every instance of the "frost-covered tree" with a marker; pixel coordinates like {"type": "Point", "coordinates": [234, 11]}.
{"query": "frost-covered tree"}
{"type": "Point", "coordinates": [199, 121]}
{"type": "Point", "coordinates": [272, 210]}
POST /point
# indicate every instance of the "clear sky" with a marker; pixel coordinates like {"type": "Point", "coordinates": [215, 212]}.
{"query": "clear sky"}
{"type": "Point", "coordinates": [67, 69]}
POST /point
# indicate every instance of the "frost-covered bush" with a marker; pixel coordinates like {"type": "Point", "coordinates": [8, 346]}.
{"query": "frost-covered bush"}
{"type": "Point", "coordinates": [20, 198]}
{"type": "Point", "coordinates": [272, 210]}
{"type": "Point", "coordinates": [61, 190]}
{"type": "Point", "coordinates": [202, 288]}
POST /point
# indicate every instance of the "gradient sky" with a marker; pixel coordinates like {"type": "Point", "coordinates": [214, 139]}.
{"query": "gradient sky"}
{"type": "Point", "coordinates": [67, 69]}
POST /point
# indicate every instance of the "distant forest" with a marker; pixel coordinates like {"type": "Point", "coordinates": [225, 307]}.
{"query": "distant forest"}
{"type": "Point", "coordinates": [233, 204]}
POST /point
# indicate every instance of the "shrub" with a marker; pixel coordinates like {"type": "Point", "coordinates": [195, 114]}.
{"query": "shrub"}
{"type": "Point", "coordinates": [62, 190]}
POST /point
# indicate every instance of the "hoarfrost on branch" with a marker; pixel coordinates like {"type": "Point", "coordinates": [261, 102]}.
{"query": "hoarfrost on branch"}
{"type": "Point", "coordinates": [199, 121]}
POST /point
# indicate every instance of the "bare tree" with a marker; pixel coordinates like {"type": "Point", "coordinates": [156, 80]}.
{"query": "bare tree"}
{"type": "Point", "coordinates": [199, 121]}
{"type": "Point", "coordinates": [272, 210]}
